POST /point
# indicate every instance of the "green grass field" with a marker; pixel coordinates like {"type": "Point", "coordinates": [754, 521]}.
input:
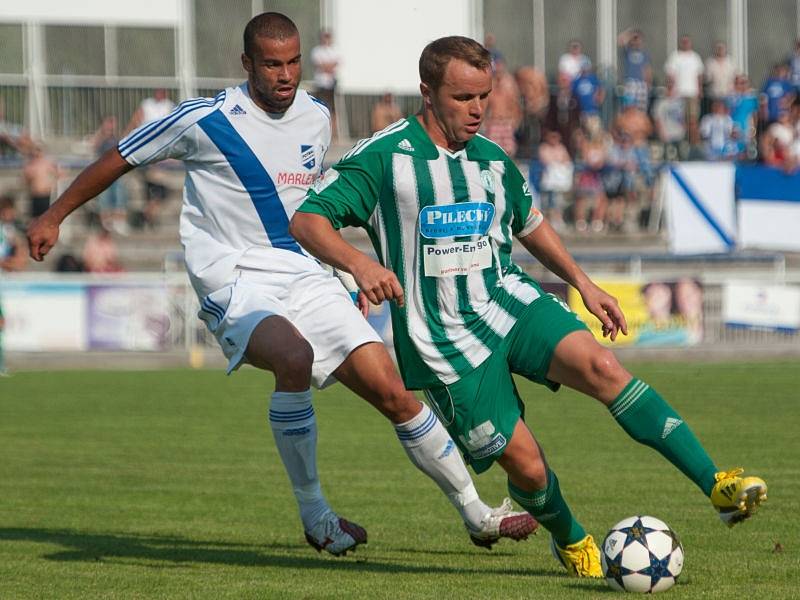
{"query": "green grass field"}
{"type": "Point", "coordinates": [167, 485]}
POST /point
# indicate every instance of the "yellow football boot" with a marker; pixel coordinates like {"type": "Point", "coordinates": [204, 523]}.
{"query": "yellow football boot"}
{"type": "Point", "coordinates": [737, 498]}
{"type": "Point", "coordinates": [581, 559]}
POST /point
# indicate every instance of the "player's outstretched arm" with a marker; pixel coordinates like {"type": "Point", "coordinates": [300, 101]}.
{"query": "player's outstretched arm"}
{"type": "Point", "coordinates": [316, 234]}
{"type": "Point", "coordinates": [544, 243]}
{"type": "Point", "coordinates": [43, 231]}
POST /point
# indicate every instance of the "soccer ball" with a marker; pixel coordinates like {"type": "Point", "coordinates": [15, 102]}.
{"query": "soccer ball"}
{"type": "Point", "coordinates": [641, 554]}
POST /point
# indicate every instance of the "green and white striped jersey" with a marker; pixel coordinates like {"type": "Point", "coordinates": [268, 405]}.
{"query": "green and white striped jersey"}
{"type": "Point", "coordinates": [443, 222]}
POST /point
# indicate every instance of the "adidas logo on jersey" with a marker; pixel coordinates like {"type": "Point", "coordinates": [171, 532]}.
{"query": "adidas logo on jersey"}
{"type": "Point", "coordinates": [237, 110]}
{"type": "Point", "coordinates": [404, 144]}
{"type": "Point", "coordinates": [670, 425]}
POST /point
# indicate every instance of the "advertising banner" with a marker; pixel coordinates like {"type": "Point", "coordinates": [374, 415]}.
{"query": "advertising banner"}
{"type": "Point", "coordinates": [659, 313]}
{"type": "Point", "coordinates": [44, 317]}
{"type": "Point", "coordinates": [128, 317]}
{"type": "Point", "coordinates": [761, 306]}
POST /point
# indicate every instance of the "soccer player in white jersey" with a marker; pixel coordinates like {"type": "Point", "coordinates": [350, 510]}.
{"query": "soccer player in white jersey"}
{"type": "Point", "coordinates": [250, 154]}
{"type": "Point", "coordinates": [442, 204]}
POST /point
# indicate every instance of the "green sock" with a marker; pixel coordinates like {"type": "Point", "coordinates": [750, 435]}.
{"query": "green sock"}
{"type": "Point", "coordinates": [550, 509]}
{"type": "Point", "coordinates": [649, 420]}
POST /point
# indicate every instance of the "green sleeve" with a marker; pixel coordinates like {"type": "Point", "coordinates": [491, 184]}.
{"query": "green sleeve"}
{"type": "Point", "coordinates": [348, 192]}
{"type": "Point", "coordinates": [518, 197]}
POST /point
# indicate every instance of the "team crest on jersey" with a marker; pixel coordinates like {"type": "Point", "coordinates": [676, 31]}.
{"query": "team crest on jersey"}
{"type": "Point", "coordinates": [451, 220]}
{"type": "Point", "coordinates": [307, 156]}
{"type": "Point", "coordinates": [487, 180]}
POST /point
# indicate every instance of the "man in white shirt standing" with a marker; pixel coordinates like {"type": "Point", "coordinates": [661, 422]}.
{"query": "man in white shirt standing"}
{"type": "Point", "coordinates": [325, 59]}
{"type": "Point", "coordinates": [251, 153]}
{"type": "Point", "coordinates": [573, 62]}
{"type": "Point", "coordinates": [686, 68]}
{"type": "Point", "coordinates": [720, 73]}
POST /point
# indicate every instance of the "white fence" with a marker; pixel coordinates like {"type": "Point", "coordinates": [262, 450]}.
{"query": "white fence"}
{"type": "Point", "coordinates": [157, 312]}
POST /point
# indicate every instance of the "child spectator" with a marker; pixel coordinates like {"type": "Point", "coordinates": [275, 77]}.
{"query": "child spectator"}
{"type": "Point", "coordinates": [743, 107]}
{"type": "Point", "coordinates": [669, 114]}
{"type": "Point", "coordinates": [556, 177]}
{"type": "Point", "coordinates": [717, 132]}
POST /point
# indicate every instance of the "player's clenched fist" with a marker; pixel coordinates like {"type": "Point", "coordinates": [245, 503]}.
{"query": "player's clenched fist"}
{"type": "Point", "coordinates": [378, 283]}
{"type": "Point", "coordinates": [42, 236]}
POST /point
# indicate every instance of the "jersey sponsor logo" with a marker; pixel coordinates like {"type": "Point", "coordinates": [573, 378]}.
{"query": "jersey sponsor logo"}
{"type": "Point", "coordinates": [451, 220]}
{"type": "Point", "coordinates": [307, 156]}
{"type": "Point", "coordinates": [458, 258]}
{"type": "Point", "coordinates": [302, 179]}
{"type": "Point", "coordinates": [237, 111]}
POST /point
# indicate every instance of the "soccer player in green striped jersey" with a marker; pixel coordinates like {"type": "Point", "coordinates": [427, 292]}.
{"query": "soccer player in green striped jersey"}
{"type": "Point", "coordinates": [441, 205]}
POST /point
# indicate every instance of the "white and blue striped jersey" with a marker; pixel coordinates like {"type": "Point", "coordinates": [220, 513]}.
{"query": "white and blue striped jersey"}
{"type": "Point", "coordinates": [246, 173]}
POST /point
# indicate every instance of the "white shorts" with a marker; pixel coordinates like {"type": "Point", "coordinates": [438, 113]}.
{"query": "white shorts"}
{"type": "Point", "coordinates": [312, 300]}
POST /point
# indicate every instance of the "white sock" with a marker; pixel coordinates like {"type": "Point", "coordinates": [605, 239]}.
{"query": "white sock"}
{"type": "Point", "coordinates": [294, 426]}
{"type": "Point", "coordinates": [433, 451]}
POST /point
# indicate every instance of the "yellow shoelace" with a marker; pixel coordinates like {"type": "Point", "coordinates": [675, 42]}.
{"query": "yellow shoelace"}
{"type": "Point", "coordinates": [729, 474]}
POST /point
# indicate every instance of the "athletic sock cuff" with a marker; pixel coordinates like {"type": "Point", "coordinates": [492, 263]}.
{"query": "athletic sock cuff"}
{"type": "Point", "coordinates": [532, 500]}
{"type": "Point", "coordinates": [291, 409]}
{"type": "Point", "coordinates": [417, 429]}
{"type": "Point", "coordinates": [628, 397]}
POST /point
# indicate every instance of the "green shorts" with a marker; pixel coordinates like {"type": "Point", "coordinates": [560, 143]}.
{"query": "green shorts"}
{"type": "Point", "coordinates": [482, 408]}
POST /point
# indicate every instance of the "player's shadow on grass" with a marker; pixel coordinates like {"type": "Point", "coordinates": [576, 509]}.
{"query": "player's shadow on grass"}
{"type": "Point", "coordinates": [98, 547]}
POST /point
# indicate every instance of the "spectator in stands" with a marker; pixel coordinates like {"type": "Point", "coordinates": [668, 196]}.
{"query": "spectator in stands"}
{"type": "Point", "coordinates": [69, 263]}
{"type": "Point", "coordinates": [150, 109]}
{"type": "Point", "coordinates": [100, 254]}
{"type": "Point", "coordinates": [325, 59]}
{"type": "Point", "coordinates": [535, 95]}
{"type": "Point", "coordinates": [633, 122]}
{"type": "Point", "coordinates": [718, 133]}
{"type": "Point", "coordinates": [503, 112]}
{"type": "Point", "coordinates": [743, 107]}
{"type": "Point", "coordinates": [490, 43]}
{"type": "Point", "coordinates": [13, 256]}
{"type": "Point", "coordinates": [592, 153]}
{"type": "Point", "coordinates": [777, 140]}
{"type": "Point", "coordinates": [637, 70]}
{"type": "Point", "coordinates": [628, 181]}
{"type": "Point", "coordinates": [573, 61]}
{"type": "Point", "coordinates": [113, 201]}
{"type": "Point", "coordinates": [589, 95]}
{"type": "Point", "coordinates": [685, 66]}
{"type": "Point", "coordinates": [41, 174]}
{"type": "Point", "coordinates": [385, 112]}
{"type": "Point", "coordinates": [720, 73]}
{"type": "Point", "coordinates": [777, 94]}
{"type": "Point", "coordinates": [793, 60]}
{"type": "Point", "coordinates": [669, 114]}
{"type": "Point", "coordinates": [12, 136]}
{"type": "Point", "coordinates": [557, 174]}
{"type": "Point", "coordinates": [562, 113]}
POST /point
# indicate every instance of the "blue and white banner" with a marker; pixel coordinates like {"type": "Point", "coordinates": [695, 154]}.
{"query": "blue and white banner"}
{"type": "Point", "coordinates": [700, 206]}
{"type": "Point", "coordinates": [762, 306]}
{"type": "Point", "coordinates": [768, 208]}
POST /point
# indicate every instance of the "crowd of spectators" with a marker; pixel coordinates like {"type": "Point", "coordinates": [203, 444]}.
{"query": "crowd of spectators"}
{"type": "Point", "coordinates": [595, 146]}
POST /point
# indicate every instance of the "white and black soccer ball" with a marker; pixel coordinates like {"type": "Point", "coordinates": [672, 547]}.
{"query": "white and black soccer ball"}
{"type": "Point", "coordinates": [641, 554]}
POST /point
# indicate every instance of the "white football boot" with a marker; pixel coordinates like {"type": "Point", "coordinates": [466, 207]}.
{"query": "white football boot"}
{"type": "Point", "coordinates": [502, 522]}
